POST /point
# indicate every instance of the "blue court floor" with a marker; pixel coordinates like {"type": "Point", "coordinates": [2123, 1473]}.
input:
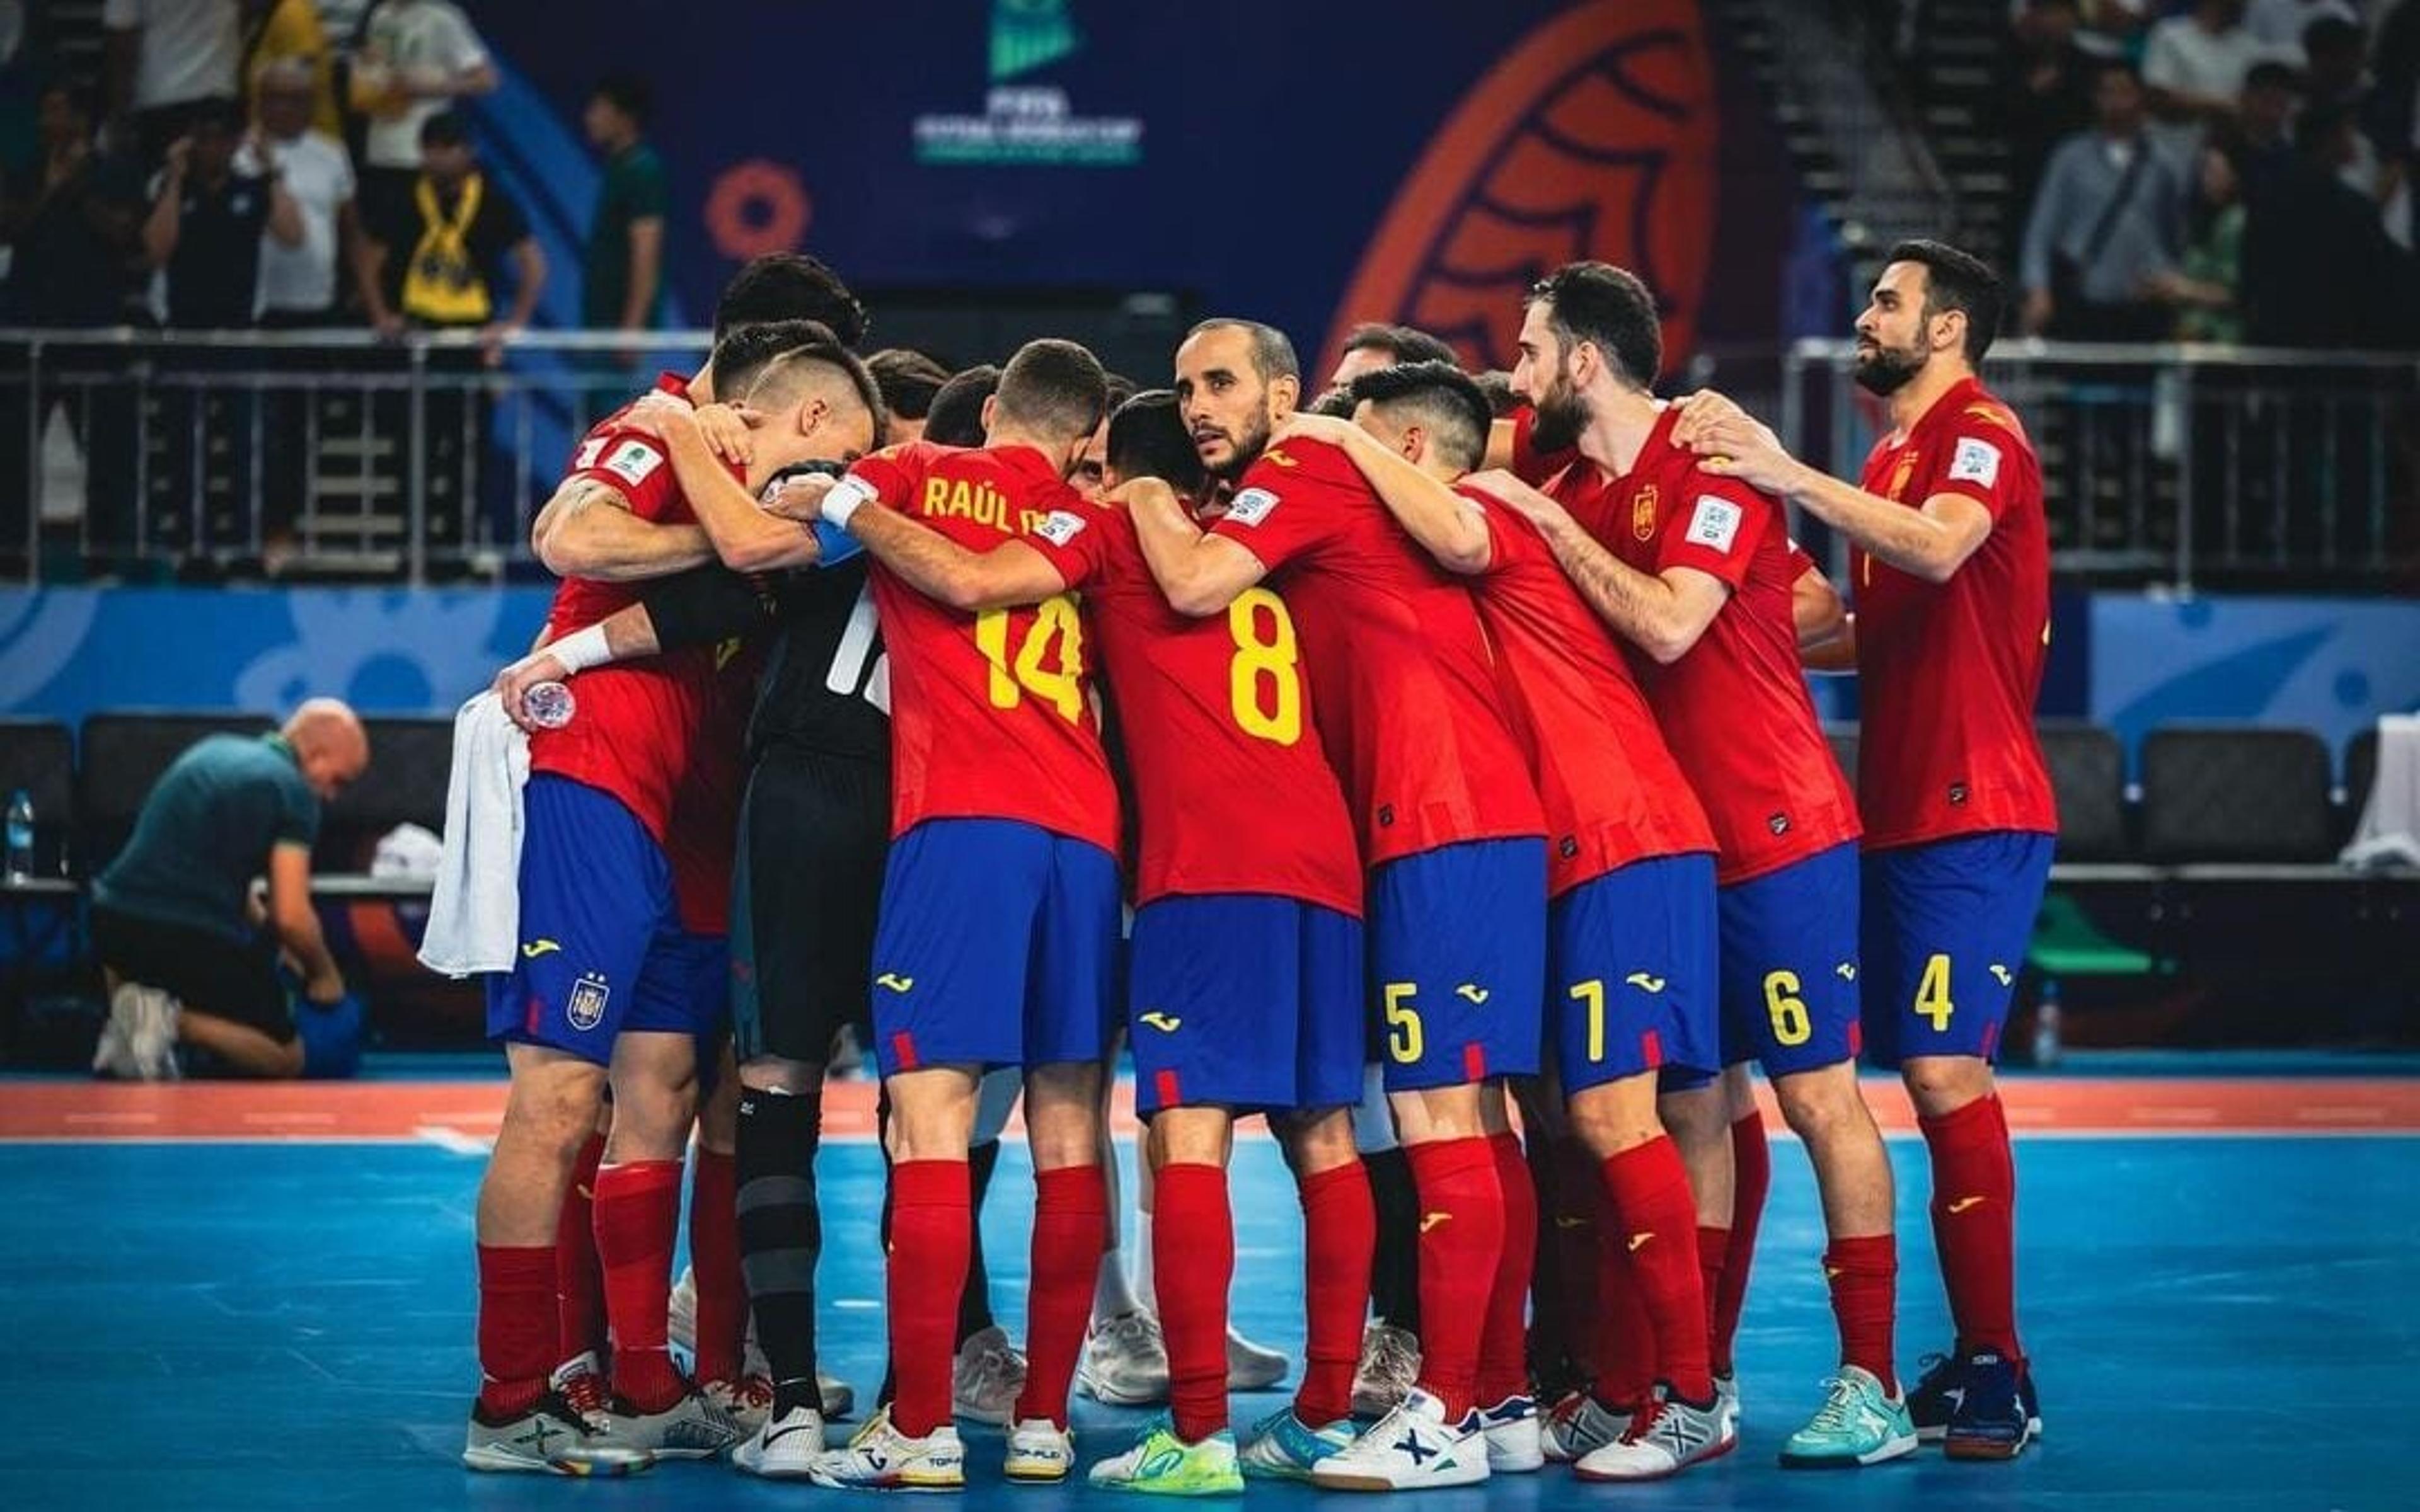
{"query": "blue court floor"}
{"type": "Point", "coordinates": [2218, 1322]}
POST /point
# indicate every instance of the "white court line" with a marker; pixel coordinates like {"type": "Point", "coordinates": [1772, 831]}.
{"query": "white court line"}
{"type": "Point", "coordinates": [857, 1304]}
{"type": "Point", "coordinates": [453, 1140]}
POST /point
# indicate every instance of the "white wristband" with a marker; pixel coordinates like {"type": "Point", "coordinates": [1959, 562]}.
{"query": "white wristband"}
{"type": "Point", "coordinates": [844, 499]}
{"type": "Point", "coordinates": [581, 649]}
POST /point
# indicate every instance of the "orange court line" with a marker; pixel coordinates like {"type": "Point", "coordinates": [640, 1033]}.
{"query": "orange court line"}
{"type": "Point", "coordinates": [307, 1112]}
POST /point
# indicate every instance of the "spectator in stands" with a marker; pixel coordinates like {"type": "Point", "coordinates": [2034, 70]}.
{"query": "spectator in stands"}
{"type": "Point", "coordinates": [173, 917]}
{"type": "Point", "coordinates": [164, 59]}
{"type": "Point", "coordinates": [621, 268]}
{"type": "Point", "coordinates": [289, 31]}
{"type": "Point", "coordinates": [2264, 122]}
{"type": "Point", "coordinates": [298, 282]}
{"type": "Point", "coordinates": [2278, 25]}
{"type": "Point", "coordinates": [416, 58]}
{"type": "Point", "coordinates": [2206, 290]}
{"type": "Point", "coordinates": [2108, 224]}
{"type": "Point", "coordinates": [2319, 268]}
{"type": "Point", "coordinates": [908, 381]}
{"type": "Point", "coordinates": [2195, 65]}
{"type": "Point", "coordinates": [956, 418]}
{"type": "Point", "coordinates": [1376, 345]}
{"type": "Point", "coordinates": [212, 206]}
{"type": "Point", "coordinates": [2042, 94]}
{"type": "Point", "coordinates": [439, 256]}
{"type": "Point", "coordinates": [2112, 28]}
{"type": "Point", "coordinates": [2337, 74]}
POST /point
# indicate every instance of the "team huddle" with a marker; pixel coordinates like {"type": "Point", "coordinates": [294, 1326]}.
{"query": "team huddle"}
{"type": "Point", "coordinates": [1434, 775]}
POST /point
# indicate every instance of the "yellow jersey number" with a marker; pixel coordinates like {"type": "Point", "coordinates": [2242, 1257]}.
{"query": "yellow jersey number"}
{"type": "Point", "coordinates": [1932, 994]}
{"type": "Point", "coordinates": [1051, 663]}
{"type": "Point", "coordinates": [1264, 687]}
{"type": "Point", "coordinates": [1404, 1038]}
{"type": "Point", "coordinates": [1790, 1024]}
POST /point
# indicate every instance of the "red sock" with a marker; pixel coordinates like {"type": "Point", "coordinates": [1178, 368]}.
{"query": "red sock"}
{"type": "Point", "coordinates": [1340, 1233]}
{"type": "Point", "coordinates": [1580, 1199]}
{"type": "Point", "coordinates": [714, 1255]}
{"type": "Point", "coordinates": [1974, 1223]}
{"type": "Point", "coordinates": [1625, 1336]}
{"type": "Point", "coordinates": [517, 1336]}
{"type": "Point", "coordinates": [1504, 1345]}
{"type": "Point", "coordinates": [638, 1213]}
{"type": "Point", "coordinates": [1071, 1228]}
{"type": "Point", "coordinates": [1752, 1178]}
{"type": "Point", "coordinates": [1713, 1254]}
{"type": "Point", "coordinates": [1462, 1233]}
{"type": "Point", "coordinates": [1656, 1225]}
{"type": "Point", "coordinates": [1193, 1247]}
{"type": "Point", "coordinates": [1864, 1274]}
{"type": "Point", "coordinates": [579, 1279]}
{"type": "Point", "coordinates": [931, 1219]}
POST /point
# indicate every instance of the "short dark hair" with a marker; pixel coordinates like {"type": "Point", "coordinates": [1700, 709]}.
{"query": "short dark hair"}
{"type": "Point", "coordinates": [217, 115]}
{"type": "Point", "coordinates": [1336, 403]}
{"type": "Point", "coordinates": [2271, 75]}
{"type": "Point", "coordinates": [1955, 280]}
{"type": "Point", "coordinates": [1056, 387]}
{"type": "Point", "coordinates": [1121, 388]}
{"type": "Point", "coordinates": [908, 380]}
{"type": "Point", "coordinates": [446, 129]}
{"type": "Point", "coordinates": [762, 353]}
{"type": "Point", "coordinates": [1446, 398]}
{"type": "Point", "coordinates": [1498, 385]}
{"type": "Point", "coordinates": [2103, 67]}
{"type": "Point", "coordinates": [1148, 439]}
{"type": "Point", "coordinates": [1611, 308]}
{"type": "Point", "coordinates": [1273, 355]}
{"type": "Point", "coordinates": [790, 286]}
{"type": "Point", "coordinates": [1403, 344]}
{"type": "Point", "coordinates": [2332, 31]}
{"type": "Point", "coordinates": [629, 94]}
{"type": "Point", "coordinates": [955, 416]}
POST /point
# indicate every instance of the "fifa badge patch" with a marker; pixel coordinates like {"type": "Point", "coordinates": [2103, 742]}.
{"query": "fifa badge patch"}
{"type": "Point", "coordinates": [1252, 507]}
{"type": "Point", "coordinates": [1643, 514]}
{"type": "Point", "coordinates": [634, 462]}
{"type": "Point", "coordinates": [587, 1007]}
{"type": "Point", "coordinates": [1060, 527]}
{"type": "Point", "coordinates": [1975, 461]}
{"type": "Point", "coordinates": [1715, 523]}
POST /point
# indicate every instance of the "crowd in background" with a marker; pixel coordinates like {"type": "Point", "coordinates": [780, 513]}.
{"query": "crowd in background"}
{"type": "Point", "coordinates": [2215, 170]}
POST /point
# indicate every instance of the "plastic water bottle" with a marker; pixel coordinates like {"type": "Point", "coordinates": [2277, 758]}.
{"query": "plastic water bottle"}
{"type": "Point", "coordinates": [550, 705]}
{"type": "Point", "coordinates": [2046, 1042]}
{"type": "Point", "coordinates": [21, 835]}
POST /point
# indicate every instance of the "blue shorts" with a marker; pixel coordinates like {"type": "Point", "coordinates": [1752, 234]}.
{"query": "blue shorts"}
{"type": "Point", "coordinates": [1635, 972]}
{"type": "Point", "coordinates": [1458, 961]}
{"type": "Point", "coordinates": [996, 945]}
{"type": "Point", "coordinates": [602, 951]}
{"type": "Point", "coordinates": [1246, 1001]}
{"type": "Point", "coordinates": [1947, 928]}
{"type": "Point", "coordinates": [1790, 964]}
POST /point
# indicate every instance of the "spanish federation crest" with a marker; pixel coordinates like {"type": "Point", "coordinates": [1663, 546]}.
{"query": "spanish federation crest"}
{"type": "Point", "coordinates": [1642, 513]}
{"type": "Point", "coordinates": [586, 1007]}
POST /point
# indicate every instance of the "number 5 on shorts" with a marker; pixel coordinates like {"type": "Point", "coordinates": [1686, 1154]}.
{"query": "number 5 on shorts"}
{"type": "Point", "coordinates": [1403, 1040]}
{"type": "Point", "coordinates": [1791, 1024]}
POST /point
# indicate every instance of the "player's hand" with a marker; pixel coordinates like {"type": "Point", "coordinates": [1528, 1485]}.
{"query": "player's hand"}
{"type": "Point", "coordinates": [1310, 427]}
{"type": "Point", "coordinates": [513, 684]}
{"type": "Point", "coordinates": [1524, 501]}
{"type": "Point", "coordinates": [1697, 414]}
{"type": "Point", "coordinates": [1745, 448]}
{"type": "Point", "coordinates": [325, 989]}
{"type": "Point", "coordinates": [802, 498]}
{"type": "Point", "coordinates": [492, 339]}
{"type": "Point", "coordinates": [729, 431]}
{"type": "Point", "coordinates": [657, 413]}
{"type": "Point", "coordinates": [180, 155]}
{"type": "Point", "coordinates": [2038, 311]}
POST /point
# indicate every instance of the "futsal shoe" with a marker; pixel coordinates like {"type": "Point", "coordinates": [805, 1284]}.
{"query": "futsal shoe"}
{"type": "Point", "coordinates": [987, 1377]}
{"type": "Point", "coordinates": [1039, 1452]}
{"type": "Point", "coordinates": [1161, 1464]}
{"type": "Point", "coordinates": [1936, 1398]}
{"type": "Point", "coordinates": [1578, 1427]}
{"type": "Point", "coordinates": [1666, 1438]}
{"type": "Point", "coordinates": [1282, 1447]}
{"type": "Point", "coordinates": [692, 1428]}
{"type": "Point", "coordinates": [749, 1399]}
{"type": "Point", "coordinates": [1857, 1425]}
{"type": "Point", "coordinates": [140, 1041]}
{"type": "Point", "coordinates": [1126, 1361]}
{"type": "Point", "coordinates": [681, 1320]}
{"type": "Point", "coordinates": [882, 1458]}
{"type": "Point", "coordinates": [784, 1448]}
{"type": "Point", "coordinates": [1412, 1448]}
{"type": "Point", "coordinates": [581, 1381]}
{"type": "Point", "coordinates": [1252, 1366]}
{"type": "Point", "coordinates": [543, 1439]}
{"type": "Point", "coordinates": [1390, 1367]}
{"type": "Point", "coordinates": [1994, 1416]}
{"type": "Point", "coordinates": [1515, 1446]}
{"type": "Point", "coordinates": [1726, 1393]}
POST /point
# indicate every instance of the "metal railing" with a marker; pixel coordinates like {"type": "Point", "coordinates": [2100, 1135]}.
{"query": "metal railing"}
{"type": "Point", "coordinates": [328, 452]}
{"type": "Point", "coordinates": [2184, 466]}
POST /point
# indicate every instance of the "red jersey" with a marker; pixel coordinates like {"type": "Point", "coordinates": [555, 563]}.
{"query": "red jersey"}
{"type": "Point", "coordinates": [1612, 792]}
{"type": "Point", "coordinates": [1948, 672]}
{"type": "Point", "coordinates": [1735, 709]}
{"type": "Point", "coordinates": [992, 714]}
{"type": "Point", "coordinates": [638, 727]}
{"type": "Point", "coordinates": [1232, 790]}
{"type": "Point", "coordinates": [1409, 709]}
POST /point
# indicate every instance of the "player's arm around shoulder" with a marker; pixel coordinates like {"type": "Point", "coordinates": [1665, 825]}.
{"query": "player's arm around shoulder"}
{"type": "Point", "coordinates": [1014, 572]}
{"type": "Point", "coordinates": [589, 529]}
{"type": "Point", "coordinates": [1199, 573]}
{"type": "Point", "coordinates": [1450, 527]}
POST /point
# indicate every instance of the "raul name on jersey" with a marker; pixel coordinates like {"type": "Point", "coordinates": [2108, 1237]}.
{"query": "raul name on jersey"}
{"type": "Point", "coordinates": [979, 502]}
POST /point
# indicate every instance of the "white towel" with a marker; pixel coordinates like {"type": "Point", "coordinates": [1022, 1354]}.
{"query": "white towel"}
{"type": "Point", "coordinates": [2389, 831]}
{"type": "Point", "coordinates": [475, 913]}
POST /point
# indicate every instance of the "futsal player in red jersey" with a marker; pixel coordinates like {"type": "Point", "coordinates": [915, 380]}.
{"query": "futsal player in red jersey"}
{"type": "Point", "coordinates": [997, 933]}
{"type": "Point", "coordinates": [1414, 724]}
{"type": "Point", "coordinates": [1950, 567]}
{"type": "Point", "coordinates": [1631, 959]}
{"type": "Point", "coordinates": [1246, 963]}
{"type": "Point", "coordinates": [611, 983]}
{"type": "Point", "coordinates": [1695, 572]}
